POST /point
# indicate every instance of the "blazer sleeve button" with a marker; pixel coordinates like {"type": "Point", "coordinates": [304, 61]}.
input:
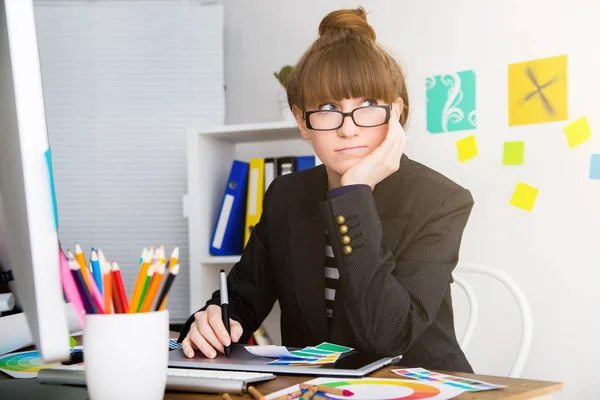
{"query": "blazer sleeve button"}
{"type": "Point", "coordinates": [343, 229]}
{"type": "Point", "coordinates": [345, 239]}
{"type": "Point", "coordinates": [340, 220]}
{"type": "Point", "coordinates": [347, 250]}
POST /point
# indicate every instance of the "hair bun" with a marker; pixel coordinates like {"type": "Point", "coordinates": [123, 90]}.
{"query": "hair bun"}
{"type": "Point", "coordinates": [351, 19]}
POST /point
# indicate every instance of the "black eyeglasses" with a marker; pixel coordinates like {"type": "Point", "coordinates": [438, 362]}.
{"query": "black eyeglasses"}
{"type": "Point", "coordinates": [365, 117]}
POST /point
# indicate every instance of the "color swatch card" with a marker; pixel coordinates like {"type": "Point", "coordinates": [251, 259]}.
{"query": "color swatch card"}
{"type": "Point", "coordinates": [469, 385]}
{"type": "Point", "coordinates": [271, 351]}
{"type": "Point", "coordinates": [25, 364]}
{"type": "Point", "coordinates": [322, 354]}
{"type": "Point", "coordinates": [380, 389]}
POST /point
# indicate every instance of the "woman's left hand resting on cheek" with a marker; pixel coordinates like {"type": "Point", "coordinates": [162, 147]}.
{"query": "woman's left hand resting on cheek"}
{"type": "Point", "coordinates": [384, 160]}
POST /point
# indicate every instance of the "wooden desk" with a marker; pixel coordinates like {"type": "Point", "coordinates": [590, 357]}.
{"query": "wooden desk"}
{"type": "Point", "coordinates": [516, 389]}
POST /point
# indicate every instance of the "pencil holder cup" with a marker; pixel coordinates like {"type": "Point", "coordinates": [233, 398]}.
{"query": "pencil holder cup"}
{"type": "Point", "coordinates": [126, 355]}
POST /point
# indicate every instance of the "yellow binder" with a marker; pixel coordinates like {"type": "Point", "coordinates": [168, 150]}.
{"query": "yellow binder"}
{"type": "Point", "coordinates": [256, 189]}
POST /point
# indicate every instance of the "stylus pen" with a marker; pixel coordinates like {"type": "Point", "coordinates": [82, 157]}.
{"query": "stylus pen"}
{"type": "Point", "coordinates": [225, 306]}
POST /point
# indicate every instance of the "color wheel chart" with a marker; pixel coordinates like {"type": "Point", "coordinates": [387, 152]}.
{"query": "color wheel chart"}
{"type": "Point", "coordinates": [22, 365]}
{"type": "Point", "coordinates": [381, 389]}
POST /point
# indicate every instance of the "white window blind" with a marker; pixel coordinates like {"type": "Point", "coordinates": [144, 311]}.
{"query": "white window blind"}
{"type": "Point", "coordinates": [123, 82]}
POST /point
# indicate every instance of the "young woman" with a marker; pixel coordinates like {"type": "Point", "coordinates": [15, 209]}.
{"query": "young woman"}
{"type": "Point", "coordinates": [359, 251]}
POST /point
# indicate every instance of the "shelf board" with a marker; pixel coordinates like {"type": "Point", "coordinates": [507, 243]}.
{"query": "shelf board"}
{"type": "Point", "coordinates": [264, 131]}
{"type": "Point", "coordinates": [221, 259]}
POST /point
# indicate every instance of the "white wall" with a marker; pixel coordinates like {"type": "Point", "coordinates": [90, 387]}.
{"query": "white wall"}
{"type": "Point", "coordinates": [550, 252]}
{"type": "Point", "coordinates": [123, 82]}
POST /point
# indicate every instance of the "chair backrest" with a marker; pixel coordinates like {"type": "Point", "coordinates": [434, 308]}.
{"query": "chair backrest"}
{"type": "Point", "coordinates": [526, 322]}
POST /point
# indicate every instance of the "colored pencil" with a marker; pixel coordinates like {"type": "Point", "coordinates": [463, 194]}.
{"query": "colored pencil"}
{"type": "Point", "coordinates": [143, 255]}
{"type": "Point", "coordinates": [327, 389]}
{"type": "Point", "coordinates": [86, 297]}
{"type": "Point", "coordinates": [308, 395]}
{"type": "Point", "coordinates": [70, 288]}
{"type": "Point", "coordinates": [171, 275]}
{"type": "Point", "coordinates": [80, 257]}
{"type": "Point", "coordinates": [107, 284]}
{"type": "Point", "coordinates": [155, 282]}
{"type": "Point", "coordinates": [255, 393]}
{"type": "Point", "coordinates": [173, 261]}
{"type": "Point", "coordinates": [96, 270]}
{"type": "Point", "coordinates": [118, 284]}
{"type": "Point", "coordinates": [96, 295]}
{"type": "Point", "coordinates": [149, 276]}
{"type": "Point", "coordinates": [226, 396]}
{"type": "Point", "coordinates": [139, 282]}
{"type": "Point", "coordinates": [290, 396]}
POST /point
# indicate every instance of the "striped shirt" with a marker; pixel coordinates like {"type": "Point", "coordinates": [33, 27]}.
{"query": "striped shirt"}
{"type": "Point", "coordinates": [332, 276]}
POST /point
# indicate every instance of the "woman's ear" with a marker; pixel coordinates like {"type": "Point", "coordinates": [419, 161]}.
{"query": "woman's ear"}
{"type": "Point", "coordinates": [299, 117]}
{"type": "Point", "coordinates": [398, 105]}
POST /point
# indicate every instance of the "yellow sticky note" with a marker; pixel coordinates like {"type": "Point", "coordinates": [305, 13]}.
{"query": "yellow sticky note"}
{"type": "Point", "coordinates": [524, 196]}
{"type": "Point", "coordinates": [578, 132]}
{"type": "Point", "coordinates": [537, 91]}
{"type": "Point", "coordinates": [467, 148]}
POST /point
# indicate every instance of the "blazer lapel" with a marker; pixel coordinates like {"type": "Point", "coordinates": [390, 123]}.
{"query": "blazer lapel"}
{"type": "Point", "coordinates": [307, 256]}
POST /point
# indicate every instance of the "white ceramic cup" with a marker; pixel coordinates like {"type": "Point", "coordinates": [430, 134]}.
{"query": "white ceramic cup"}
{"type": "Point", "coordinates": [126, 355]}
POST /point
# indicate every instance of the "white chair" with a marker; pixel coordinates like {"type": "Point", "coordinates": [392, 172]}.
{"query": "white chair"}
{"type": "Point", "coordinates": [526, 322]}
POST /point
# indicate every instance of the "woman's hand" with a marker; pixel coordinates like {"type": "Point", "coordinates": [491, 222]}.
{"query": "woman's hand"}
{"type": "Point", "coordinates": [208, 334]}
{"type": "Point", "coordinates": [384, 160]}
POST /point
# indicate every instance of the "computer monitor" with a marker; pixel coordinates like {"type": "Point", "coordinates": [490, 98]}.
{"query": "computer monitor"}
{"type": "Point", "coordinates": [30, 232]}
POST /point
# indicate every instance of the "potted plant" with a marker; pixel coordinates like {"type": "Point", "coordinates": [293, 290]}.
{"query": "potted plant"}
{"type": "Point", "coordinates": [283, 76]}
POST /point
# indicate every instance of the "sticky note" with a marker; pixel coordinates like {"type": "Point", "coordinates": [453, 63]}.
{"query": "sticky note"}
{"type": "Point", "coordinates": [467, 148]}
{"type": "Point", "coordinates": [72, 341]}
{"type": "Point", "coordinates": [451, 102]}
{"type": "Point", "coordinates": [578, 132]}
{"type": "Point", "coordinates": [595, 167]}
{"type": "Point", "coordinates": [48, 155]}
{"type": "Point", "coordinates": [524, 196]}
{"type": "Point", "coordinates": [537, 91]}
{"type": "Point", "coordinates": [514, 153]}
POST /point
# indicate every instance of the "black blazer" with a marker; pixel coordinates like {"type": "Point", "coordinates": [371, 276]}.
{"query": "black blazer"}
{"type": "Point", "coordinates": [393, 294]}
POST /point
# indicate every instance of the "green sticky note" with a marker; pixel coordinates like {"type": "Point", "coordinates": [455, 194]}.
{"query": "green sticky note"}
{"type": "Point", "coordinates": [72, 341]}
{"type": "Point", "coordinates": [451, 102]}
{"type": "Point", "coordinates": [514, 153]}
{"type": "Point", "coordinates": [333, 347]}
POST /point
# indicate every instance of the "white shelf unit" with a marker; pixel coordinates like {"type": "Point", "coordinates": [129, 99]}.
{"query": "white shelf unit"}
{"type": "Point", "coordinates": [210, 154]}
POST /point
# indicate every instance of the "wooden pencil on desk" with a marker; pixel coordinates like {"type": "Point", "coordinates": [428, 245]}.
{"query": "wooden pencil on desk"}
{"type": "Point", "coordinates": [121, 297]}
{"type": "Point", "coordinates": [140, 280]}
{"type": "Point", "coordinates": [172, 262]}
{"type": "Point", "coordinates": [86, 296]}
{"type": "Point", "coordinates": [290, 396]}
{"type": "Point", "coordinates": [255, 393]}
{"type": "Point", "coordinates": [327, 389]}
{"type": "Point", "coordinates": [308, 395]}
{"type": "Point", "coordinates": [170, 277]}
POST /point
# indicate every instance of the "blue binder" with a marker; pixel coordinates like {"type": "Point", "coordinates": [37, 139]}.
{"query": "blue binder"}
{"type": "Point", "coordinates": [228, 235]}
{"type": "Point", "coordinates": [304, 162]}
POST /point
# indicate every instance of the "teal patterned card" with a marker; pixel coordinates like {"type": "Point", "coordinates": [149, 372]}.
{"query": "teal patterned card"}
{"type": "Point", "coordinates": [451, 102]}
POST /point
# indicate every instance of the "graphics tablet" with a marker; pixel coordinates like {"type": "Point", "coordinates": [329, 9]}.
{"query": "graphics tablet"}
{"type": "Point", "coordinates": [352, 364]}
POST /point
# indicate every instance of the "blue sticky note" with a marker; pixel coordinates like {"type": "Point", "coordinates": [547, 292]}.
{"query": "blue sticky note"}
{"type": "Point", "coordinates": [595, 167]}
{"type": "Point", "coordinates": [451, 104]}
{"type": "Point", "coordinates": [52, 191]}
